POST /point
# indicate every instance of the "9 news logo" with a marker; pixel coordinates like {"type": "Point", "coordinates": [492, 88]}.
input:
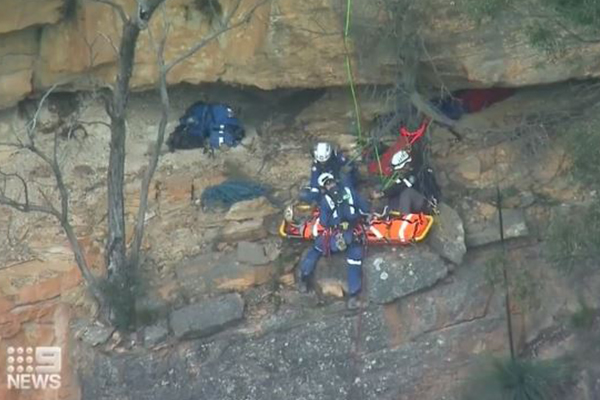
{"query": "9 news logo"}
{"type": "Point", "coordinates": [30, 368]}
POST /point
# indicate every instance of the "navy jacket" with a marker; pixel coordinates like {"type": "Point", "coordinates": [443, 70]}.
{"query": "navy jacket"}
{"type": "Point", "coordinates": [349, 210]}
{"type": "Point", "coordinates": [333, 166]}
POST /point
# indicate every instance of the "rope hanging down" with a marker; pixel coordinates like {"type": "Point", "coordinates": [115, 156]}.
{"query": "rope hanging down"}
{"type": "Point", "coordinates": [349, 70]}
{"type": "Point", "coordinates": [352, 86]}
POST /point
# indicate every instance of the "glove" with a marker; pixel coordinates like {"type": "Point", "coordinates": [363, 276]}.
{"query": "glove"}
{"type": "Point", "coordinates": [376, 194]}
{"type": "Point", "coordinates": [344, 225]}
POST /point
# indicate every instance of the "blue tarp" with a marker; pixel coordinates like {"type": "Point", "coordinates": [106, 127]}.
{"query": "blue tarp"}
{"type": "Point", "coordinates": [225, 194]}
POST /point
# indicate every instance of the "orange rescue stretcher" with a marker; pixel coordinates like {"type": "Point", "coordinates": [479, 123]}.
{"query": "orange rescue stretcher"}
{"type": "Point", "coordinates": [389, 228]}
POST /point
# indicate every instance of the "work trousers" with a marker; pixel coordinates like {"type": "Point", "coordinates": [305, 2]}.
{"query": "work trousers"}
{"type": "Point", "coordinates": [354, 256]}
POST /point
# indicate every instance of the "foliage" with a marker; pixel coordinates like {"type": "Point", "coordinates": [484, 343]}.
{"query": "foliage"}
{"type": "Point", "coordinates": [585, 13]}
{"type": "Point", "coordinates": [550, 21]}
{"type": "Point", "coordinates": [574, 239]}
{"type": "Point", "coordinates": [506, 379]}
{"type": "Point", "coordinates": [480, 10]}
{"type": "Point", "coordinates": [524, 286]}
{"type": "Point", "coordinates": [582, 142]}
{"type": "Point", "coordinates": [584, 317]}
{"type": "Point", "coordinates": [493, 268]}
{"type": "Point", "coordinates": [579, 12]}
{"type": "Point", "coordinates": [544, 39]}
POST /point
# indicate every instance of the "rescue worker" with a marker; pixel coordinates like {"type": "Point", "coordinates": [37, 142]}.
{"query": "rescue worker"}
{"type": "Point", "coordinates": [400, 189]}
{"type": "Point", "coordinates": [340, 209]}
{"type": "Point", "coordinates": [327, 159]}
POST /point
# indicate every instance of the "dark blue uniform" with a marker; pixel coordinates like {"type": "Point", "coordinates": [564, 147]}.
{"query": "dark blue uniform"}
{"type": "Point", "coordinates": [334, 167]}
{"type": "Point", "coordinates": [332, 215]}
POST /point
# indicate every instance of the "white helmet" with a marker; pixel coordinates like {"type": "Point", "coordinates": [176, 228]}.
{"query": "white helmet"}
{"type": "Point", "coordinates": [322, 152]}
{"type": "Point", "coordinates": [324, 178]}
{"type": "Point", "coordinates": [400, 159]}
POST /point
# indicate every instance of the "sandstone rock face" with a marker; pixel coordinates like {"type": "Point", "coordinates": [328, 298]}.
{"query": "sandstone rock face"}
{"type": "Point", "coordinates": [388, 274]}
{"type": "Point", "coordinates": [207, 317]}
{"type": "Point", "coordinates": [252, 229]}
{"type": "Point", "coordinates": [418, 348]}
{"type": "Point", "coordinates": [250, 209]}
{"type": "Point", "coordinates": [34, 311]}
{"type": "Point", "coordinates": [291, 44]}
{"type": "Point", "coordinates": [484, 227]}
{"type": "Point", "coordinates": [393, 275]}
{"type": "Point", "coordinates": [20, 14]}
{"type": "Point", "coordinates": [18, 51]}
{"type": "Point", "coordinates": [218, 272]}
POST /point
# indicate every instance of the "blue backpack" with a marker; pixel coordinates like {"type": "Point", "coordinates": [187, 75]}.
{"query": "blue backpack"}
{"type": "Point", "coordinates": [202, 124]}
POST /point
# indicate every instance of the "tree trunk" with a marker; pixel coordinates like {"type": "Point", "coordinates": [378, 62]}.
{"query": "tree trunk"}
{"type": "Point", "coordinates": [119, 276]}
{"type": "Point", "coordinates": [120, 284]}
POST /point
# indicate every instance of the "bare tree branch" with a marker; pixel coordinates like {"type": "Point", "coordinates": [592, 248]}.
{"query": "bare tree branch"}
{"type": "Point", "coordinates": [15, 145]}
{"type": "Point", "coordinates": [110, 42]}
{"type": "Point", "coordinates": [164, 96]}
{"type": "Point", "coordinates": [5, 179]}
{"type": "Point", "coordinates": [426, 108]}
{"type": "Point", "coordinates": [32, 125]}
{"type": "Point", "coordinates": [117, 8]}
{"type": "Point", "coordinates": [63, 215]}
{"type": "Point", "coordinates": [23, 206]}
{"type": "Point", "coordinates": [90, 46]}
{"type": "Point", "coordinates": [49, 203]}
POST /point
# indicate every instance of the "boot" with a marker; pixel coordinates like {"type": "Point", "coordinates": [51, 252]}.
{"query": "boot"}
{"type": "Point", "coordinates": [302, 286]}
{"type": "Point", "coordinates": [302, 282]}
{"type": "Point", "coordinates": [353, 303]}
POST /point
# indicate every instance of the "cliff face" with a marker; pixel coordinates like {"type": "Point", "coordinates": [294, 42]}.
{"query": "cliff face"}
{"type": "Point", "coordinates": [286, 44]}
{"type": "Point", "coordinates": [421, 345]}
{"type": "Point", "coordinates": [438, 318]}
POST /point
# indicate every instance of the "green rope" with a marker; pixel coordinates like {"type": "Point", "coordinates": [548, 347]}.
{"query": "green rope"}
{"type": "Point", "coordinates": [361, 143]}
{"type": "Point", "coordinates": [349, 70]}
{"type": "Point", "coordinates": [388, 181]}
{"type": "Point", "coordinates": [348, 14]}
{"type": "Point", "coordinates": [381, 176]}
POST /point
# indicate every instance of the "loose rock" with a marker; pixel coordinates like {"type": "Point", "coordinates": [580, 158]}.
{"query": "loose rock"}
{"type": "Point", "coordinates": [252, 253]}
{"type": "Point", "coordinates": [155, 334]}
{"type": "Point", "coordinates": [469, 168]}
{"type": "Point", "coordinates": [247, 230]}
{"type": "Point", "coordinates": [93, 335]}
{"type": "Point", "coordinates": [387, 274]}
{"type": "Point", "coordinates": [447, 237]}
{"type": "Point", "coordinates": [207, 317]}
{"type": "Point", "coordinates": [487, 230]}
{"type": "Point", "coordinates": [211, 273]}
{"type": "Point", "coordinates": [393, 275]}
{"type": "Point", "coordinates": [250, 209]}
